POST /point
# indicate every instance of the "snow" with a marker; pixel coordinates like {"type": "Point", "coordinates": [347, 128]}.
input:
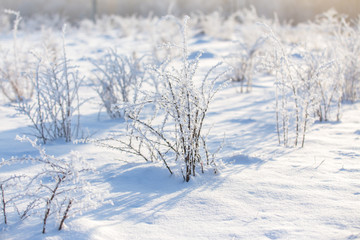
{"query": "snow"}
{"type": "Point", "coordinates": [262, 191]}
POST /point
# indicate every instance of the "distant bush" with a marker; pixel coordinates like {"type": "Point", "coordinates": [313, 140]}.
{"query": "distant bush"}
{"type": "Point", "coordinates": [118, 80]}
{"type": "Point", "coordinates": [216, 25]}
{"type": "Point", "coordinates": [243, 62]}
{"type": "Point", "coordinates": [14, 84]}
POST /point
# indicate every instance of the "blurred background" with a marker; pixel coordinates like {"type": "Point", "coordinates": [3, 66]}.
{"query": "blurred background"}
{"type": "Point", "coordinates": [297, 10]}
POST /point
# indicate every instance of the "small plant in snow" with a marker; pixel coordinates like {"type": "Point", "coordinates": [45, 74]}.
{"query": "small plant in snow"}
{"type": "Point", "coordinates": [175, 133]}
{"type": "Point", "coordinates": [118, 80]}
{"type": "Point", "coordinates": [243, 62]}
{"type": "Point", "coordinates": [329, 79]}
{"type": "Point", "coordinates": [56, 191]}
{"type": "Point", "coordinates": [308, 84]}
{"type": "Point", "coordinates": [337, 32]}
{"type": "Point", "coordinates": [13, 68]}
{"type": "Point", "coordinates": [349, 51]}
{"type": "Point", "coordinates": [11, 192]}
{"type": "Point", "coordinates": [217, 26]}
{"type": "Point", "coordinates": [52, 111]}
{"type": "Point", "coordinates": [162, 35]}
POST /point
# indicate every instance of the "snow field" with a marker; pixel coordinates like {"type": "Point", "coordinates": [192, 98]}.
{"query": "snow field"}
{"type": "Point", "coordinates": [262, 190]}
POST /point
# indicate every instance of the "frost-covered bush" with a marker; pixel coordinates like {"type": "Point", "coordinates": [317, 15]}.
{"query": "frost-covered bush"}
{"type": "Point", "coordinates": [163, 37]}
{"type": "Point", "coordinates": [307, 87]}
{"type": "Point", "coordinates": [249, 16]}
{"type": "Point", "coordinates": [5, 23]}
{"type": "Point", "coordinates": [216, 25]}
{"type": "Point", "coordinates": [14, 65]}
{"type": "Point", "coordinates": [327, 73]}
{"type": "Point", "coordinates": [118, 80]}
{"type": "Point", "coordinates": [54, 191]}
{"type": "Point", "coordinates": [338, 32]}
{"type": "Point", "coordinates": [243, 62]}
{"type": "Point", "coordinates": [107, 23]}
{"type": "Point", "coordinates": [11, 192]}
{"type": "Point", "coordinates": [123, 26]}
{"type": "Point", "coordinates": [250, 45]}
{"type": "Point", "coordinates": [51, 45]}
{"type": "Point", "coordinates": [169, 125]}
{"type": "Point", "coordinates": [44, 21]}
{"type": "Point", "coordinates": [55, 105]}
{"type": "Point", "coordinates": [349, 47]}
{"type": "Point", "coordinates": [135, 25]}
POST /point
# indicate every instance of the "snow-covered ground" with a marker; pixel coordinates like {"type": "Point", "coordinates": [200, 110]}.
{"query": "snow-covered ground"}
{"type": "Point", "coordinates": [262, 190]}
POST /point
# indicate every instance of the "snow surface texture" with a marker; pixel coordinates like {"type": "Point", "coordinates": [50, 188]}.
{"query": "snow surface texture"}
{"type": "Point", "coordinates": [263, 190]}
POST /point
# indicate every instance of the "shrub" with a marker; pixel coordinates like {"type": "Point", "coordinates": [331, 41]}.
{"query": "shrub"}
{"type": "Point", "coordinates": [338, 32]}
{"type": "Point", "coordinates": [58, 188]}
{"type": "Point", "coordinates": [217, 26]}
{"type": "Point", "coordinates": [308, 85]}
{"type": "Point", "coordinates": [349, 47]}
{"type": "Point", "coordinates": [14, 84]}
{"type": "Point", "coordinates": [56, 85]}
{"type": "Point", "coordinates": [118, 80]}
{"type": "Point", "coordinates": [176, 130]}
{"type": "Point", "coordinates": [243, 62]}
